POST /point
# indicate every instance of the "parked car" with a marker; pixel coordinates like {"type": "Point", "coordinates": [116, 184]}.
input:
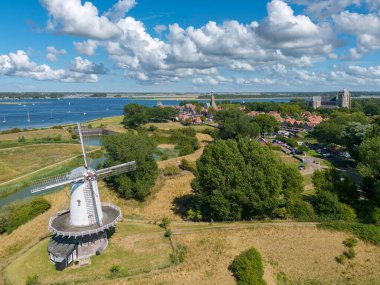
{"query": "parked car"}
{"type": "Point", "coordinates": [301, 167]}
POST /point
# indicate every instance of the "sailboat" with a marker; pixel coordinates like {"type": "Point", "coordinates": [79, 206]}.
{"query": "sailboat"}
{"type": "Point", "coordinates": [4, 121]}
{"type": "Point", "coordinates": [51, 115]}
{"type": "Point", "coordinates": [28, 119]}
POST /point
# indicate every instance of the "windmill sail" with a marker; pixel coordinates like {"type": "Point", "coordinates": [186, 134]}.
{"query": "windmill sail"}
{"type": "Point", "coordinates": [54, 182]}
{"type": "Point", "coordinates": [82, 144]}
{"type": "Point", "coordinates": [116, 170]}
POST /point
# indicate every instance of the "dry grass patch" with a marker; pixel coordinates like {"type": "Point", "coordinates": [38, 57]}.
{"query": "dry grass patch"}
{"type": "Point", "coordinates": [22, 160]}
{"type": "Point", "coordinates": [114, 124]}
{"type": "Point", "coordinates": [37, 134]}
{"type": "Point", "coordinates": [302, 252]}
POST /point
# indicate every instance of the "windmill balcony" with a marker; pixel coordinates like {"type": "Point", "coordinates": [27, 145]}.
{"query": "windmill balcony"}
{"type": "Point", "coordinates": [60, 223]}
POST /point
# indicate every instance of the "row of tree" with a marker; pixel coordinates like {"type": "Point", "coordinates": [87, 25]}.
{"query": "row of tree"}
{"type": "Point", "coordinates": [136, 115]}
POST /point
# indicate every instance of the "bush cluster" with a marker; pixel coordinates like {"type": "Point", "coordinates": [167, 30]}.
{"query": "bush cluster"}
{"type": "Point", "coordinates": [248, 268]}
{"type": "Point", "coordinates": [17, 214]}
{"type": "Point", "coordinates": [185, 140]}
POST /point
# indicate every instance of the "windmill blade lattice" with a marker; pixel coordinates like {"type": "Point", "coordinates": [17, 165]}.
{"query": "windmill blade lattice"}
{"type": "Point", "coordinates": [54, 181]}
{"type": "Point", "coordinates": [116, 170]}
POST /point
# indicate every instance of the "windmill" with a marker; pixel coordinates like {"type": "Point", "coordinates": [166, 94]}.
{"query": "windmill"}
{"type": "Point", "coordinates": [80, 231]}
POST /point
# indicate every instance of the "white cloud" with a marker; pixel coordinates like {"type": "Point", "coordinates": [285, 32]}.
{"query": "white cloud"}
{"type": "Point", "coordinates": [120, 9]}
{"type": "Point", "coordinates": [366, 28]}
{"type": "Point", "coordinates": [87, 47]}
{"type": "Point", "coordinates": [159, 29]}
{"type": "Point", "coordinates": [19, 64]}
{"type": "Point", "coordinates": [71, 17]}
{"type": "Point", "coordinates": [52, 53]}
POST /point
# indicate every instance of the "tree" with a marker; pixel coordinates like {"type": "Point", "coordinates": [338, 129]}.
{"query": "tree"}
{"type": "Point", "coordinates": [331, 131]}
{"type": "Point", "coordinates": [292, 182]}
{"type": "Point", "coordinates": [333, 181]}
{"type": "Point", "coordinates": [135, 115]}
{"type": "Point", "coordinates": [239, 180]}
{"type": "Point", "coordinates": [267, 123]}
{"type": "Point", "coordinates": [369, 167]}
{"type": "Point", "coordinates": [353, 135]}
{"type": "Point", "coordinates": [127, 147]}
{"type": "Point", "coordinates": [327, 206]}
{"type": "Point", "coordinates": [235, 123]}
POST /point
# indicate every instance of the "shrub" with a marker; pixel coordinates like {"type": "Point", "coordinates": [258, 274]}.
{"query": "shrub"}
{"type": "Point", "coordinates": [248, 268]}
{"type": "Point", "coordinates": [186, 165]}
{"type": "Point", "coordinates": [350, 242]}
{"type": "Point", "coordinates": [171, 170]}
{"type": "Point", "coordinates": [165, 222]}
{"type": "Point", "coordinates": [115, 270]}
{"type": "Point", "coordinates": [21, 139]}
{"type": "Point", "coordinates": [341, 259]}
{"type": "Point", "coordinates": [178, 255]}
{"type": "Point", "coordinates": [350, 253]}
{"type": "Point", "coordinates": [33, 280]}
{"type": "Point", "coordinates": [152, 128]}
{"type": "Point", "coordinates": [168, 233]}
{"type": "Point", "coordinates": [164, 157]}
{"type": "Point", "coordinates": [194, 215]}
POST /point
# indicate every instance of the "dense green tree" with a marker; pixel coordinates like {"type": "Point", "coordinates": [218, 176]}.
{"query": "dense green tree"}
{"type": "Point", "coordinates": [327, 206]}
{"type": "Point", "coordinates": [353, 135]}
{"type": "Point", "coordinates": [267, 123]}
{"type": "Point", "coordinates": [331, 131]}
{"type": "Point", "coordinates": [235, 123]}
{"type": "Point", "coordinates": [292, 182]}
{"type": "Point", "coordinates": [369, 167]}
{"type": "Point", "coordinates": [127, 147]}
{"type": "Point", "coordinates": [185, 140]}
{"type": "Point", "coordinates": [341, 185]}
{"type": "Point", "coordinates": [240, 180]}
{"type": "Point", "coordinates": [135, 115]}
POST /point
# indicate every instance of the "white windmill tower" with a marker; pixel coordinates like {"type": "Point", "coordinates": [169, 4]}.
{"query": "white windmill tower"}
{"type": "Point", "coordinates": [80, 231]}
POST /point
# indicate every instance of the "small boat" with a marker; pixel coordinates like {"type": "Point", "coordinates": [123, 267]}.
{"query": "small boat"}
{"type": "Point", "coordinates": [28, 119]}
{"type": "Point", "coordinates": [69, 103]}
{"type": "Point", "coordinates": [4, 121]}
{"type": "Point", "coordinates": [51, 115]}
{"type": "Point", "coordinates": [84, 114]}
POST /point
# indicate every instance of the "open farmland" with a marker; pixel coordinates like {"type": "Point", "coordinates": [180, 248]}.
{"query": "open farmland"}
{"type": "Point", "coordinates": [21, 160]}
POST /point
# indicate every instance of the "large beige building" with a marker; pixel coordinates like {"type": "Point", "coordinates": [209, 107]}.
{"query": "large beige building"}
{"type": "Point", "coordinates": [344, 99]}
{"type": "Point", "coordinates": [341, 100]}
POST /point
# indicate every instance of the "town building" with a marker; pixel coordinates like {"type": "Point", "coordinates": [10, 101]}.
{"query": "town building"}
{"type": "Point", "coordinates": [341, 100]}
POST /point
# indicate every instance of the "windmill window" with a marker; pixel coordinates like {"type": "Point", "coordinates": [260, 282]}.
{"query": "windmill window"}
{"type": "Point", "coordinates": [78, 203]}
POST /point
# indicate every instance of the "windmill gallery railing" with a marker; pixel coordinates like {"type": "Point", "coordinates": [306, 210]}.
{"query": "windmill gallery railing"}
{"type": "Point", "coordinates": [75, 234]}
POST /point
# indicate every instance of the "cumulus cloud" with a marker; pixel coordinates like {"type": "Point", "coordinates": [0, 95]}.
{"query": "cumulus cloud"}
{"type": "Point", "coordinates": [295, 35]}
{"type": "Point", "coordinates": [52, 53]}
{"type": "Point", "coordinates": [120, 9]}
{"type": "Point", "coordinates": [87, 47]}
{"type": "Point", "coordinates": [73, 18]}
{"type": "Point", "coordinates": [366, 28]}
{"type": "Point", "coordinates": [19, 64]}
{"type": "Point", "coordinates": [159, 29]}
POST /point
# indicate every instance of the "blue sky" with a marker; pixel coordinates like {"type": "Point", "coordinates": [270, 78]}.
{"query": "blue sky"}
{"type": "Point", "coordinates": [189, 46]}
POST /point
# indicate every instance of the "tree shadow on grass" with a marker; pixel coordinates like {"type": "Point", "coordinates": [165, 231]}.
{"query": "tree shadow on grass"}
{"type": "Point", "coordinates": [182, 204]}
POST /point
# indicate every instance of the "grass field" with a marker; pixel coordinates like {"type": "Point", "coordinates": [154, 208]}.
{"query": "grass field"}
{"type": "Point", "coordinates": [109, 123]}
{"type": "Point", "coordinates": [22, 160]}
{"type": "Point", "coordinates": [37, 134]}
{"type": "Point", "coordinates": [136, 248]}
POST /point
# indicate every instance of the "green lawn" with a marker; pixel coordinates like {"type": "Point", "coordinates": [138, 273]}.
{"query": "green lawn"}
{"type": "Point", "coordinates": [136, 248]}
